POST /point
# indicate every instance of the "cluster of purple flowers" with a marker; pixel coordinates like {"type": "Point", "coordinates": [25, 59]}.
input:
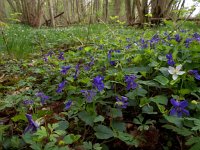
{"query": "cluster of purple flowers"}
{"type": "Point", "coordinates": [88, 94]}
{"type": "Point", "coordinates": [143, 43]}
{"type": "Point", "coordinates": [50, 53]}
{"type": "Point", "coordinates": [155, 39]}
{"type": "Point", "coordinates": [170, 60]}
{"type": "Point", "coordinates": [130, 81]}
{"type": "Point", "coordinates": [195, 73]}
{"type": "Point", "coordinates": [42, 97]}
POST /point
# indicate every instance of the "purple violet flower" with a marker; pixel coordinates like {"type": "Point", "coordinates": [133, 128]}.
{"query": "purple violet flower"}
{"type": "Point", "coordinates": [195, 73]}
{"type": "Point", "coordinates": [28, 102]}
{"type": "Point", "coordinates": [155, 39]}
{"type": "Point", "coordinates": [177, 38]}
{"type": "Point", "coordinates": [170, 60]}
{"type": "Point", "coordinates": [121, 103]}
{"type": "Point", "coordinates": [98, 83]}
{"type": "Point", "coordinates": [130, 81]}
{"type": "Point", "coordinates": [143, 43]}
{"type": "Point", "coordinates": [65, 69]}
{"type": "Point", "coordinates": [68, 104]}
{"type": "Point", "coordinates": [77, 71]}
{"type": "Point", "coordinates": [179, 108]}
{"type": "Point", "coordinates": [128, 46]}
{"type": "Point", "coordinates": [187, 42]}
{"type": "Point", "coordinates": [42, 97]}
{"type": "Point", "coordinates": [61, 87]}
{"type": "Point", "coordinates": [61, 56]}
{"type": "Point", "coordinates": [88, 66]}
{"type": "Point", "coordinates": [88, 94]}
{"type": "Point", "coordinates": [113, 63]}
{"type": "Point", "coordinates": [197, 36]}
{"type": "Point", "coordinates": [32, 125]}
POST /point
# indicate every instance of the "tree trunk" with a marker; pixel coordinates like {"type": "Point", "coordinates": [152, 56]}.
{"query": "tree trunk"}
{"type": "Point", "coordinates": [105, 10]}
{"type": "Point", "coordinates": [133, 11]}
{"type": "Point", "coordinates": [128, 11]}
{"type": "Point", "coordinates": [51, 12]}
{"type": "Point", "coordinates": [77, 10]}
{"type": "Point", "coordinates": [117, 7]}
{"type": "Point", "coordinates": [2, 10]}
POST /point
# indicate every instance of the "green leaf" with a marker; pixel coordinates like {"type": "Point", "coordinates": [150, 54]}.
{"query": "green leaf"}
{"type": "Point", "coordinates": [147, 109]}
{"type": "Point", "coordinates": [127, 138]}
{"type": "Point", "coordinates": [99, 119]}
{"type": "Point", "coordinates": [19, 117]}
{"type": "Point", "coordinates": [97, 146]}
{"type": "Point", "coordinates": [181, 131]}
{"type": "Point", "coordinates": [137, 92]}
{"type": "Point", "coordinates": [119, 126]}
{"type": "Point", "coordinates": [41, 133]}
{"type": "Point", "coordinates": [184, 91]}
{"type": "Point", "coordinates": [60, 132]}
{"type": "Point", "coordinates": [71, 138]}
{"type": "Point", "coordinates": [144, 101]}
{"type": "Point", "coordinates": [161, 79]}
{"type": "Point", "coordinates": [160, 99]}
{"type": "Point", "coordinates": [62, 125]}
{"type": "Point", "coordinates": [174, 120]}
{"type": "Point", "coordinates": [114, 113]}
{"type": "Point", "coordinates": [87, 117]}
{"type": "Point", "coordinates": [87, 145]}
{"type": "Point", "coordinates": [103, 132]}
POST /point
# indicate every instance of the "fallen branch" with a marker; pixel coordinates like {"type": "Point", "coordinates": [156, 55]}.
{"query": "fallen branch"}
{"type": "Point", "coordinates": [47, 22]}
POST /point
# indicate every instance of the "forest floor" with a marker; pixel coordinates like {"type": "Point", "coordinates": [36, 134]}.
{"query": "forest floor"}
{"type": "Point", "coordinates": [100, 87]}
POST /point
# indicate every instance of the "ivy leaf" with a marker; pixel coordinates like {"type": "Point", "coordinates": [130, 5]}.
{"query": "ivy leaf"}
{"type": "Point", "coordinates": [103, 132]}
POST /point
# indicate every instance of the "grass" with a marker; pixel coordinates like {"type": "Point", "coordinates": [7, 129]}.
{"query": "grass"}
{"type": "Point", "coordinates": [22, 41]}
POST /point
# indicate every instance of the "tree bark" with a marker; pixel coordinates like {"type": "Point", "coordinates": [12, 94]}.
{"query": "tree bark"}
{"type": "Point", "coordinates": [105, 10]}
{"type": "Point", "coordinates": [2, 10]}
{"type": "Point", "coordinates": [128, 11]}
{"type": "Point", "coordinates": [51, 12]}
{"type": "Point", "coordinates": [117, 7]}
